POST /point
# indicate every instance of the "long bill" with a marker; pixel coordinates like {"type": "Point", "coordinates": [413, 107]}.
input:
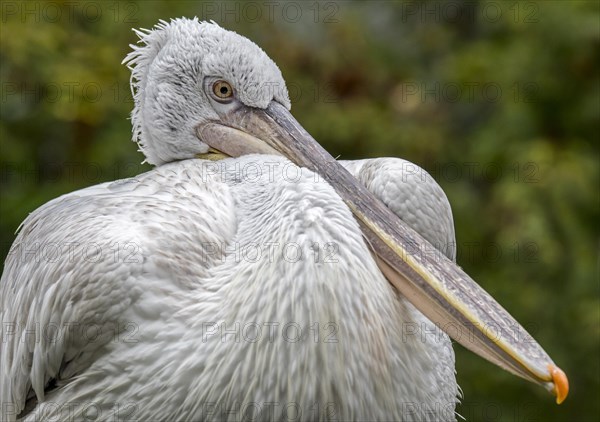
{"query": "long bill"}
{"type": "Point", "coordinates": [435, 285]}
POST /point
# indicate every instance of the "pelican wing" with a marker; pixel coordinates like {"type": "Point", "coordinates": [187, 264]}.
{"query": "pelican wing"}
{"type": "Point", "coordinates": [77, 277]}
{"type": "Point", "coordinates": [412, 194]}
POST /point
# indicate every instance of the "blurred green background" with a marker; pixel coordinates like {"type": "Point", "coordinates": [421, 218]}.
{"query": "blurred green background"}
{"type": "Point", "coordinates": [499, 101]}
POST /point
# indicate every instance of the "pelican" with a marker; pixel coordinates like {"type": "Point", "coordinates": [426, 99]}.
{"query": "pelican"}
{"type": "Point", "coordinates": [249, 275]}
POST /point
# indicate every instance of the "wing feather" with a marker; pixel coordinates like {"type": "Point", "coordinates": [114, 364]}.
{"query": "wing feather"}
{"type": "Point", "coordinates": [81, 260]}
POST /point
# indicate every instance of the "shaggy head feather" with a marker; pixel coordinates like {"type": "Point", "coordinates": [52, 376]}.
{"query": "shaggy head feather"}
{"type": "Point", "coordinates": [168, 69]}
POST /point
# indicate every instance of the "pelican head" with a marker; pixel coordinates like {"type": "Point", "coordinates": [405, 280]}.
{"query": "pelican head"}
{"type": "Point", "coordinates": [187, 73]}
{"type": "Point", "coordinates": [200, 90]}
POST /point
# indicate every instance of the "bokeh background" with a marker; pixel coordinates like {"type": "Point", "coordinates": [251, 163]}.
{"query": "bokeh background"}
{"type": "Point", "coordinates": [498, 100]}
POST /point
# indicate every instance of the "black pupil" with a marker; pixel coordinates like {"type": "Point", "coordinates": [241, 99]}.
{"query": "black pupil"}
{"type": "Point", "coordinates": [224, 90]}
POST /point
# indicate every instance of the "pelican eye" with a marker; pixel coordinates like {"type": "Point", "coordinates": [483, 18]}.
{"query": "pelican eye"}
{"type": "Point", "coordinates": [222, 90]}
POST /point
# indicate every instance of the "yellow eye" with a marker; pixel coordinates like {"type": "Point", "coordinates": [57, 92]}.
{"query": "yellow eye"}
{"type": "Point", "coordinates": [222, 90]}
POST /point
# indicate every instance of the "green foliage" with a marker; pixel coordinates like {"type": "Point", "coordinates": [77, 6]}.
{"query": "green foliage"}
{"type": "Point", "coordinates": [502, 109]}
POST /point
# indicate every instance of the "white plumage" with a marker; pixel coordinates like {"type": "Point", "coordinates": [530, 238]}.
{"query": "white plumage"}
{"type": "Point", "coordinates": [223, 290]}
{"type": "Point", "coordinates": [185, 274]}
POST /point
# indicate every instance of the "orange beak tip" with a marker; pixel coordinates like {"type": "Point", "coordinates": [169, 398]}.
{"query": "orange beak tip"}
{"type": "Point", "coordinates": [561, 383]}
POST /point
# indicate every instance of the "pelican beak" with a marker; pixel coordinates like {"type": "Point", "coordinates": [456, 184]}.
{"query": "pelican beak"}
{"type": "Point", "coordinates": [435, 285]}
